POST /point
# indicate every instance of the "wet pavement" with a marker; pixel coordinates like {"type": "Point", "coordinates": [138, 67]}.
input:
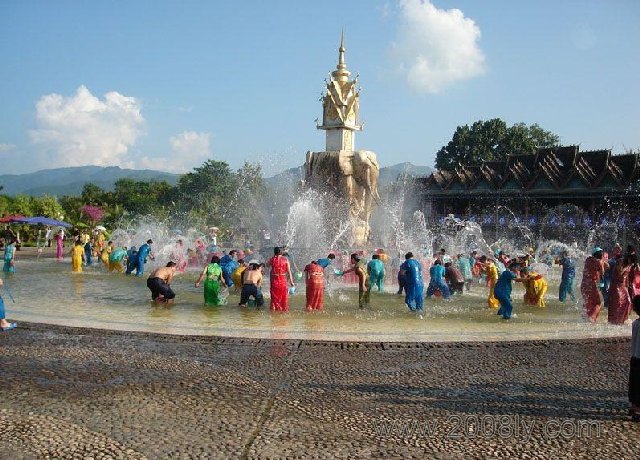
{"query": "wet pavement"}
{"type": "Point", "coordinates": [85, 393]}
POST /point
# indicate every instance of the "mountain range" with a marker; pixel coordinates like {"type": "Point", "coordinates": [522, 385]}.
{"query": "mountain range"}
{"type": "Point", "coordinates": [70, 181]}
{"type": "Point", "coordinates": [388, 174]}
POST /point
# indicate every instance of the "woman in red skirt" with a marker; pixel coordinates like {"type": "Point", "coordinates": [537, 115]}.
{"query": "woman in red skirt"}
{"type": "Point", "coordinates": [315, 286]}
{"type": "Point", "coordinates": [280, 271]}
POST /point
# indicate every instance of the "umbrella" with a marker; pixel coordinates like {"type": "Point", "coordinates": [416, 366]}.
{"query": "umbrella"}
{"type": "Point", "coordinates": [11, 218]}
{"type": "Point", "coordinates": [81, 225]}
{"type": "Point", "coordinates": [41, 220]}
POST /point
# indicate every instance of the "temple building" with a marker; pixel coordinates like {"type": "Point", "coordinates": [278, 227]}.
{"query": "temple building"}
{"type": "Point", "coordinates": [594, 184]}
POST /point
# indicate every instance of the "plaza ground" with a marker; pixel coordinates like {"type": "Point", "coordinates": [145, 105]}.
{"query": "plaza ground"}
{"type": "Point", "coordinates": [86, 393]}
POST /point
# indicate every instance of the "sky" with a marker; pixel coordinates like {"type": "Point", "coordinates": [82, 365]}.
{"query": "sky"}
{"type": "Point", "coordinates": [168, 84]}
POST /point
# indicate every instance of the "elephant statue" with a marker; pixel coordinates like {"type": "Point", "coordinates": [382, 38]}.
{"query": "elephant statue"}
{"type": "Point", "coordinates": [353, 177]}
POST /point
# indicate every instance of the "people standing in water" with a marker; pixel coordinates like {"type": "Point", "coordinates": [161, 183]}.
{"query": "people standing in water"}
{"type": "Point", "coordinates": [437, 282]}
{"type": "Point", "coordinates": [359, 269]}
{"type": "Point", "coordinates": [414, 286]}
{"type": "Point", "coordinates": [236, 276]}
{"type": "Point", "coordinates": [535, 287]}
{"type": "Point", "coordinates": [116, 259]}
{"type": "Point", "coordinates": [280, 272]}
{"type": "Point", "coordinates": [314, 274]}
{"type": "Point", "coordinates": [326, 261]}
{"type": "Point", "coordinates": [88, 251]}
{"type": "Point", "coordinates": [402, 279]}
{"type": "Point", "coordinates": [251, 285]}
{"type": "Point", "coordinates": [214, 282]}
{"type": "Point", "coordinates": [159, 283]}
{"type": "Point", "coordinates": [592, 281]}
{"type": "Point", "coordinates": [9, 256]}
{"type": "Point", "coordinates": [619, 300]}
{"type": "Point", "coordinates": [634, 276]}
{"type": "Point", "coordinates": [77, 256]}
{"type": "Point", "coordinates": [101, 241]}
{"type": "Point", "coordinates": [454, 278]}
{"type": "Point", "coordinates": [132, 259]}
{"type": "Point", "coordinates": [634, 364]}
{"type": "Point", "coordinates": [4, 324]}
{"type": "Point", "coordinates": [228, 264]}
{"type": "Point", "coordinates": [503, 289]}
{"type": "Point", "coordinates": [375, 271]}
{"type": "Point", "coordinates": [59, 244]}
{"type": "Point", "coordinates": [567, 277]}
{"type": "Point", "coordinates": [144, 252]}
{"type": "Point", "coordinates": [464, 265]}
{"type": "Point", "coordinates": [491, 274]}
{"type": "Point", "coordinates": [105, 253]}
{"type": "Point", "coordinates": [48, 236]}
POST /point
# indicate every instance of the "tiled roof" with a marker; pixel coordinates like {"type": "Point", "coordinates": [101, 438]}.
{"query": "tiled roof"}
{"type": "Point", "coordinates": [559, 166]}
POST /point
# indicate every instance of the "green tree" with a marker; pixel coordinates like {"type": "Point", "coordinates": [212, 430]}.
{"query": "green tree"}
{"type": "Point", "coordinates": [47, 206]}
{"type": "Point", "coordinates": [71, 208]}
{"type": "Point", "coordinates": [140, 197]}
{"type": "Point", "coordinates": [6, 205]}
{"type": "Point", "coordinates": [23, 204]}
{"type": "Point", "coordinates": [92, 194]}
{"type": "Point", "coordinates": [206, 192]}
{"type": "Point", "coordinates": [492, 140]}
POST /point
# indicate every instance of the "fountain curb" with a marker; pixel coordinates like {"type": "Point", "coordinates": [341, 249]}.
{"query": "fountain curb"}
{"type": "Point", "coordinates": [299, 343]}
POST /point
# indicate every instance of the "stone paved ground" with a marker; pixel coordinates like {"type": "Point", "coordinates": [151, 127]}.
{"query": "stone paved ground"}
{"type": "Point", "coordinates": [79, 393]}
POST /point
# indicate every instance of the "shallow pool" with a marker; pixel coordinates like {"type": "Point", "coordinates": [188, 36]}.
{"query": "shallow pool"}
{"type": "Point", "coordinates": [47, 292]}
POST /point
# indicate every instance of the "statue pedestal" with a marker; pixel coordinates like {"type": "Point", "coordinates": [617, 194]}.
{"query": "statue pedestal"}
{"type": "Point", "coordinates": [352, 177]}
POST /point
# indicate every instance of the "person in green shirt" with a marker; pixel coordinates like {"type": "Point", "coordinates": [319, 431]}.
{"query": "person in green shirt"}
{"type": "Point", "coordinates": [213, 283]}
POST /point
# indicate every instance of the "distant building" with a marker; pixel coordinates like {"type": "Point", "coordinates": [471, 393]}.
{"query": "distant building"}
{"type": "Point", "coordinates": [591, 185]}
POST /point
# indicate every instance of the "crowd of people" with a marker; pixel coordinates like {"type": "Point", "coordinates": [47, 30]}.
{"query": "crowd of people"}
{"type": "Point", "coordinates": [611, 282]}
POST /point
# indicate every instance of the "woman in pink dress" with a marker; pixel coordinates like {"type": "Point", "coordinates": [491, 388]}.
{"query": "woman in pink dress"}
{"type": "Point", "coordinates": [594, 269]}
{"type": "Point", "coordinates": [59, 244]}
{"type": "Point", "coordinates": [619, 299]}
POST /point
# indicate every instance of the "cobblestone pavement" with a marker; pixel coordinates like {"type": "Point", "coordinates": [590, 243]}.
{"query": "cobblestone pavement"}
{"type": "Point", "coordinates": [80, 393]}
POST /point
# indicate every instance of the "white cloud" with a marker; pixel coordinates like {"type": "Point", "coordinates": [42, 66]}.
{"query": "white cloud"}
{"type": "Point", "coordinates": [188, 150]}
{"type": "Point", "coordinates": [435, 47]}
{"type": "Point", "coordinates": [84, 129]}
{"type": "Point", "coordinates": [7, 148]}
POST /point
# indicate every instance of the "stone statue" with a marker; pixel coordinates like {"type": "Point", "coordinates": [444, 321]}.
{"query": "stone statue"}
{"type": "Point", "coordinates": [350, 175]}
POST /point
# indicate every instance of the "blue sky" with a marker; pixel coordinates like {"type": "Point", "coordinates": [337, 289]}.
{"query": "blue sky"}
{"type": "Point", "coordinates": [166, 84]}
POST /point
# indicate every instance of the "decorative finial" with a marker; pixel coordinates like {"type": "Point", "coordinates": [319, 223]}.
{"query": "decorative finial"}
{"type": "Point", "coordinates": [341, 73]}
{"type": "Point", "coordinates": [341, 50]}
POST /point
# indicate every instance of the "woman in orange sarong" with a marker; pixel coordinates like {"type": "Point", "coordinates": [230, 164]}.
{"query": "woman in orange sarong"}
{"type": "Point", "coordinates": [280, 270]}
{"type": "Point", "coordinates": [592, 275]}
{"type": "Point", "coordinates": [315, 286]}
{"type": "Point", "coordinates": [619, 299]}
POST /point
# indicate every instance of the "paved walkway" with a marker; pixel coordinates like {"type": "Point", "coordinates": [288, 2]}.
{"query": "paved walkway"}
{"type": "Point", "coordinates": [79, 393]}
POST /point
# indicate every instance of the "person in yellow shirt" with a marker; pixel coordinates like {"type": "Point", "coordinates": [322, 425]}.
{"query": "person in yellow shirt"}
{"type": "Point", "coordinates": [236, 276]}
{"type": "Point", "coordinates": [100, 241]}
{"type": "Point", "coordinates": [77, 256]}
{"type": "Point", "coordinates": [491, 272]}
{"type": "Point", "coordinates": [106, 252]}
{"type": "Point", "coordinates": [535, 288]}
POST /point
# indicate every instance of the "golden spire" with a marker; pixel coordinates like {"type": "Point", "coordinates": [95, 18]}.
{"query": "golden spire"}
{"type": "Point", "coordinates": [341, 73]}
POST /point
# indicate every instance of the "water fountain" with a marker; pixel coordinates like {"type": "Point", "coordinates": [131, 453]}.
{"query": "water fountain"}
{"type": "Point", "coordinates": [335, 212]}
